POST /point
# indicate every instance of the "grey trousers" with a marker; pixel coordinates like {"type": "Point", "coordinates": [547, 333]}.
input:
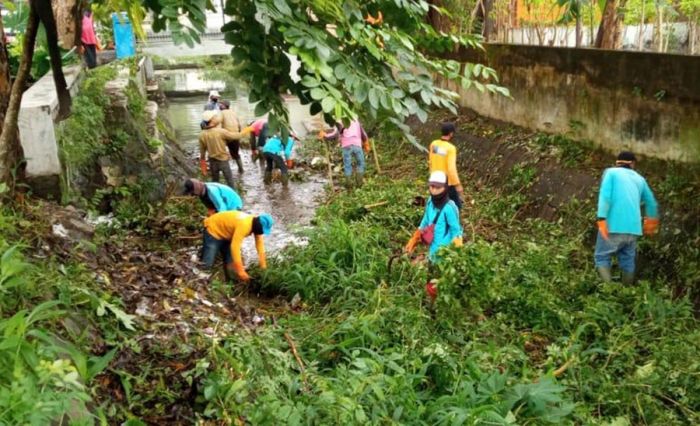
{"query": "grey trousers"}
{"type": "Point", "coordinates": [218, 166]}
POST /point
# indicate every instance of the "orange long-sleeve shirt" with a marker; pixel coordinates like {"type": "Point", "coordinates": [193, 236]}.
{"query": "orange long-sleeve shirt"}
{"type": "Point", "coordinates": [235, 226]}
{"type": "Point", "coordinates": [442, 157]}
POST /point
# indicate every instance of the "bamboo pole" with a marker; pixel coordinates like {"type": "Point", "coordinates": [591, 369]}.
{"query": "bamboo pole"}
{"type": "Point", "coordinates": [376, 156]}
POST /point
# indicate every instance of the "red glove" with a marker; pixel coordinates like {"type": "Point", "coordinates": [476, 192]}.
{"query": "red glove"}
{"type": "Point", "coordinates": [203, 167]}
{"type": "Point", "coordinates": [411, 245]}
{"type": "Point", "coordinates": [431, 289]}
{"type": "Point", "coordinates": [650, 225]}
{"type": "Point", "coordinates": [603, 228]}
{"type": "Point", "coordinates": [290, 164]}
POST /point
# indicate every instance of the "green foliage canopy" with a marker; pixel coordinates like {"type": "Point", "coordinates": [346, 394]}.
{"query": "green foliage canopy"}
{"type": "Point", "coordinates": [386, 71]}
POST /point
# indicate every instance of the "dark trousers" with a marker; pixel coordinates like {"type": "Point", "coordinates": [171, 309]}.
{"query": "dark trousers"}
{"type": "Point", "coordinates": [262, 137]}
{"type": "Point", "coordinates": [218, 166]}
{"type": "Point", "coordinates": [454, 196]}
{"type": "Point", "coordinates": [211, 247]}
{"type": "Point", "coordinates": [277, 161]}
{"type": "Point", "coordinates": [90, 55]}
{"type": "Point", "coordinates": [234, 148]}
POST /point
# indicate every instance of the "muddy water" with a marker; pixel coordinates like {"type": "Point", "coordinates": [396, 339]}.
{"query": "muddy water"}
{"type": "Point", "coordinates": [292, 207]}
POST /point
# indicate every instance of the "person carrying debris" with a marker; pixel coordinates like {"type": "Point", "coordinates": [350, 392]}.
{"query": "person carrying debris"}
{"type": "Point", "coordinates": [213, 140]}
{"type": "Point", "coordinates": [620, 223]}
{"type": "Point", "coordinates": [215, 196]}
{"type": "Point", "coordinates": [213, 103]}
{"type": "Point", "coordinates": [224, 233]}
{"type": "Point", "coordinates": [230, 122]}
{"type": "Point", "coordinates": [440, 225]}
{"type": "Point", "coordinates": [351, 139]}
{"type": "Point", "coordinates": [272, 151]}
{"type": "Point", "coordinates": [258, 137]}
{"type": "Point", "coordinates": [442, 156]}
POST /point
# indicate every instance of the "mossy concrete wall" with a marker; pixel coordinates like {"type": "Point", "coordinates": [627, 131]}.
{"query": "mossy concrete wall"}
{"type": "Point", "coordinates": [646, 102]}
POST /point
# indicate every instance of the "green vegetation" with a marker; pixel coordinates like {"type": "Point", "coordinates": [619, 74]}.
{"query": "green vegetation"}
{"type": "Point", "coordinates": [522, 331]}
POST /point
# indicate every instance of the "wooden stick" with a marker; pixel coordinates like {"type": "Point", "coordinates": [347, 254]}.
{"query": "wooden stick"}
{"type": "Point", "coordinates": [379, 204]}
{"type": "Point", "coordinates": [293, 347]}
{"type": "Point", "coordinates": [376, 156]}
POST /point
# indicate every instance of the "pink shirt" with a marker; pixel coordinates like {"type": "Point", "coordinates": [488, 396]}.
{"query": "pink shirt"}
{"type": "Point", "coordinates": [351, 135]}
{"type": "Point", "coordinates": [258, 125]}
{"type": "Point", "coordinates": [88, 31]}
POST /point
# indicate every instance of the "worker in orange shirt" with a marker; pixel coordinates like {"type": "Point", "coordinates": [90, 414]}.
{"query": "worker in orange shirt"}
{"type": "Point", "coordinates": [442, 157]}
{"type": "Point", "coordinates": [224, 232]}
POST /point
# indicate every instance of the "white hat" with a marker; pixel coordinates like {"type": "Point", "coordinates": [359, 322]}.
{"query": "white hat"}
{"type": "Point", "coordinates": [209, 114]}
{"type": "Point", "coordinates": [438, 177]}
{"type": "Point", "coordinates": [214, 94]}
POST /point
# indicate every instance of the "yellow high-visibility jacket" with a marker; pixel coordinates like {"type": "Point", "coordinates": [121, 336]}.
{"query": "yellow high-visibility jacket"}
{"type": "Point", "coordinates": [234, 226]}
{"type": "Point", "coordinates": [442, 157]}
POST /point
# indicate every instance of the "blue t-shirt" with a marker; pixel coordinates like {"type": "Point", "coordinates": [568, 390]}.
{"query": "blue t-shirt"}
{"type": "Point", "coordinates": [447, 227]}
{"type": "Point", "coordinates": [622, 193]}
{"type": "Point", "coordinates": [223, 197]}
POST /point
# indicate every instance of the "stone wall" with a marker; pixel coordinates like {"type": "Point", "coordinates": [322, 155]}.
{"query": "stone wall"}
{"type": "Point", "coordinates": [646, 102]}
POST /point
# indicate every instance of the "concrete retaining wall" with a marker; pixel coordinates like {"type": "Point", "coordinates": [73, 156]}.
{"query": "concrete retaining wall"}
{"type": "Point", "coordinates": [36, 122]}
{"type": "Point", "coordinates": [646, 102]}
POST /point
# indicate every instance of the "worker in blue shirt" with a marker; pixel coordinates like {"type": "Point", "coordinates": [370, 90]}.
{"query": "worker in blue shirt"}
{"type": "Point", "coordinates": [440, 225]}
{"type": "Point", "coordinates": [622, 193]}
{"type": "Point", "coordinates": [217, 197]}
{"type": "Point", "coordinates": [273, 151]}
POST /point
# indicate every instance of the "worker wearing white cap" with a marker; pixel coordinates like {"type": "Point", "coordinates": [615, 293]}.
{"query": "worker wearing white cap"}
{"type": "Point", "coordinates": [212, 141]}
{"type": "Point", "coordinates": [213, 104]}
{"type": "Point", "coordinates": [440, 225]}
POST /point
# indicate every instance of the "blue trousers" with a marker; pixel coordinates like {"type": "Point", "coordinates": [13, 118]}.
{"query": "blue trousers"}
{"type": "Point", "coordinates": [348, 153]}
{"type": "Point", "coordinates": [624, 246]}
{"type": "Point", "coordinates": [211, 247]}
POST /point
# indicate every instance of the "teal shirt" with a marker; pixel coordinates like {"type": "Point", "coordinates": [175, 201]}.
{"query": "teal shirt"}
{"type": "Point", "coordinates": [447, 227]}
{"type": "Point", "coordinates": [275, 146]}
{"type": "Point", "coordinates": [223, 197]}
{"type": "Point", "coordinates": [622, 193]}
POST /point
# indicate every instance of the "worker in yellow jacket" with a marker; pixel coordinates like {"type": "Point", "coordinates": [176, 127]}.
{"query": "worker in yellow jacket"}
{"type": "Point", "coordinates": [442, 157]}
{"type": "Point", "coordinates": [224, 232]}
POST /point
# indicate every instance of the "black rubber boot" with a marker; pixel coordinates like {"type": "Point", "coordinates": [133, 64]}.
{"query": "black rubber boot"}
{"type": "Point", "coordinates": [239, 163]}
{"type": "Point", "coordinates": [627, 278]}
{"type": "Point", "coordinates": [359, 180]}
{"type": "Point", "coordinates": [285, 180]}
{"type": "Point", "coordinates": [268, 177]}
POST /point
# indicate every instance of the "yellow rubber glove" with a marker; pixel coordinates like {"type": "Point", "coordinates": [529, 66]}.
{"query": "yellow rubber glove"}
{"type": "Point", "coordinates": [457, 241]}
{"type": "Point", "coordinates": [603, 228]}
{"type": "Point", "coordinates": [650, 225]}
{"type": "Point", "coordinates": [411, 245]}
{"type": "Point", "coordinates": [247, 130]}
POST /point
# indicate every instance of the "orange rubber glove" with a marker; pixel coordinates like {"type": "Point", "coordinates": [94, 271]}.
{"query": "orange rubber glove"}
{"type": "Point", "coordinates": [458, 242]}
{"type": "Point", "coordinates": [366, 146]}
{"type": "Point", "coordinates": [411, 245]}
{"type": "Point", "coordinates": [203, 167]}
{"type": "Point", "coordinates": [321, 134]}
{"type": "Point", "coordinates": [650, 225]}
{"type": "Point", "coordinates": [290, 164]}
{"type": "Point", "coordinates": [375, 21]}
{"type": "Point", "coordinates": [239, 270]}
{"type": "Point", "coordinates": [603, 228]}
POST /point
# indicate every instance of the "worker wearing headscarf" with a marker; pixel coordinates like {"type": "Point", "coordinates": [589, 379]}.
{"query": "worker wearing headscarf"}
{"type": "Point", "coordinates": [440, 225]}
{"type": "Point", "coordinates": [212, 141]}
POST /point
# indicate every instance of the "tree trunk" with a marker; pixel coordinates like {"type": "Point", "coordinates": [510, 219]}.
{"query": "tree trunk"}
{"type": "Point", "coordinates": [68, 18]}
{"type": "Point", "coordinates": [45, 13]}
{"type": "Point", "coordinates": [10, 148]}
{"type": "Point", "coordinates": [5, 85]}
{"type": "Point", "coordinates": [659, 28]}
{"type": "Point", "coordinates": [609, 31]}
{"type": "Point", "coordinates": [578, 24]}
{"type": "Point", "coordinates": [640, 37]}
